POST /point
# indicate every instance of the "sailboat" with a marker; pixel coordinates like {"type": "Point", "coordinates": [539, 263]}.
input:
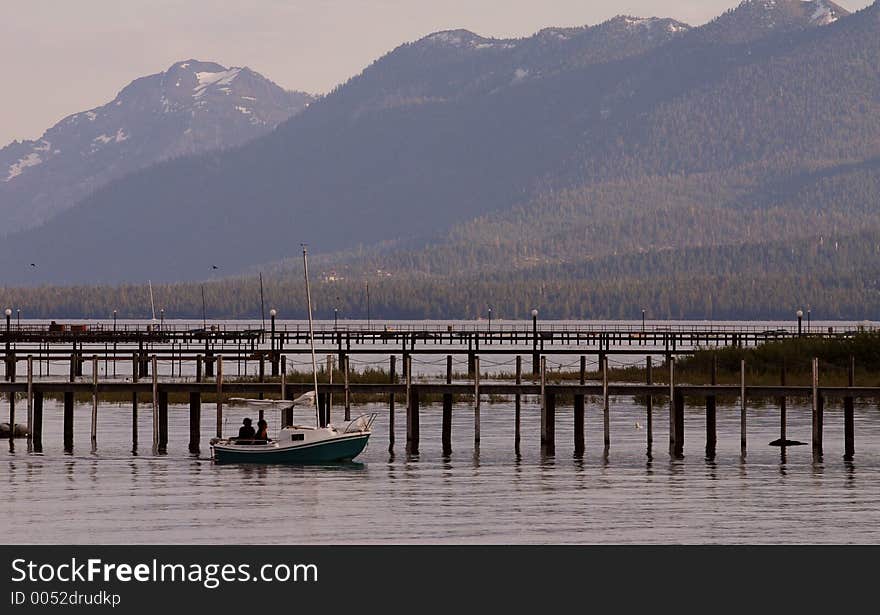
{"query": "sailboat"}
{"type": "Point", "coordinates": [299, 444]}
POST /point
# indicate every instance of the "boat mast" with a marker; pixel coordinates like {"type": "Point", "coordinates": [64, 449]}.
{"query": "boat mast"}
{"type": "Point", "coordinates": [311, 334]}
{"type": "Point", "coordinates": [152, 305]}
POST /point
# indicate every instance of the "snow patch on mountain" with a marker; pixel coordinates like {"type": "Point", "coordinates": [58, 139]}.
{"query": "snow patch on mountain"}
{"type": "Point", "coordinates": [824, 14]}
{"type": "Point", "coordinates": [222, 78]}
{"type": "Point", "coordinates": [31, 160]}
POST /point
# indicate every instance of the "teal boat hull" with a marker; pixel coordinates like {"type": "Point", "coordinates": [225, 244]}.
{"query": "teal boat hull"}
{"type": "Point", "coordinates": [327, 451]}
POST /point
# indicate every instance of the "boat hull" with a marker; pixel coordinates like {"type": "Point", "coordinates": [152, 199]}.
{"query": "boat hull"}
{"type": "Point", "coordinates": [325, 451]}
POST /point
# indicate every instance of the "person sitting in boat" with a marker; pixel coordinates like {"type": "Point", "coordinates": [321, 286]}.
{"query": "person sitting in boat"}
{"type": "Point", "coordinates": [246, 431]}
{"type": "Point", "coordinates": [262, 431]}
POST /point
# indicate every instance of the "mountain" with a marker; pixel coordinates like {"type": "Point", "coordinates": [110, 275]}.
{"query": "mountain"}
{"type": "Point", "coordinates": [755, 19]}
{"type": "Point", "coordinates": [458, 157]}
{"type": "Point", "coordinates": [192, 107]}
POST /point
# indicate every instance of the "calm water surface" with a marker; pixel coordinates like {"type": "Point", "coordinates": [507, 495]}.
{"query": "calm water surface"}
{"type": "Point", "coordinates": [115, 495]}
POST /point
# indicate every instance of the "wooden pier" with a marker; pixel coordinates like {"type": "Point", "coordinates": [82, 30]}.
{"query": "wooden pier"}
{"type": "Point", "coordinates": [552, 395]}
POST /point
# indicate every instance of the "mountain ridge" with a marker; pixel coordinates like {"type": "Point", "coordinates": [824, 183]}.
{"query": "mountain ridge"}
{"type": "Point", "coordinates": [154, 118]}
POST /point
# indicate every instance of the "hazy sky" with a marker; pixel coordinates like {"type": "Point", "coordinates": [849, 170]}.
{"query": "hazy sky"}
{"type": "Point", "coordinates": [65, 56]}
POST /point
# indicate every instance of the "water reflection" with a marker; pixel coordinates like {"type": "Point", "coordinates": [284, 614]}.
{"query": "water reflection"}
{"type": "Point", "coordinates": [711, 469]}
{"type": "Point", "coordinates": [849, 474]}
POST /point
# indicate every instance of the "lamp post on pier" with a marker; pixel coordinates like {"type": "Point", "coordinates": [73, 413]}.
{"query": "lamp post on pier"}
{"type": "Point", "coordinates": [643, 320]}
{"type": "Point", "coordinates": [114, 321]}
{"type": "Point", "coordinates": [490, 318]}
{"type": "Point", "coordinates": [800, 317]}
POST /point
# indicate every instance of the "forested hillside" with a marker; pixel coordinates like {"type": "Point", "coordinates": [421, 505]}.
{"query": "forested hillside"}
{"type": "Point", "coordinates": [837, 276]}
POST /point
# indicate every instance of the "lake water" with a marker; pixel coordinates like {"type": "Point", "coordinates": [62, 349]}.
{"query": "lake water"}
{"type": "Point", "coordinates": [115, 495]}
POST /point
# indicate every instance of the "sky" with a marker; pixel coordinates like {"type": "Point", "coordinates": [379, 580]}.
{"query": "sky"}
{"type": "Point", "coordinates": [66, 56]}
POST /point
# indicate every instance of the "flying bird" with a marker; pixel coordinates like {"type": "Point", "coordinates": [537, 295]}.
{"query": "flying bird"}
{"type": "Point", "coordinates": [214, 267]}
{"type": "Point", "coordinates": [33, 264]}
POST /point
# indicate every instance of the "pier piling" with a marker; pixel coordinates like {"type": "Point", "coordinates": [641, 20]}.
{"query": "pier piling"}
{"type": "Point", "coordinates": [412, 409]}
{"type": "Point", "coordinates": [517, 405]}
{"type": "Point", "coordinates": [195, 421]}
{"type": "Point", "coordinates": [163, 420]}
{"type": "Point", "coordinates": [220, 396]}
{"type": "Point", "coordinates": [649, 405]}
{"type": "Point", "coordinates": [392, 377]}
{"type": "Point", "coordinates": [711, 405]}
{"type": "Point", "coordinates": [579, 412]}
{"type": "Point", "coordinates": [94, 426]}
{"type": "Point", "coordinates": [446, 428]}
{"type": "Point", "coordinates": [30, 399]}
{"type": "Point", "coordinates": [670, 360]}
{"type": "Point", "coordinates": [155, 398]}
{"type": "Point", "coordinates": [477, 400]}
{"type": "Point", "coordinates": [849, 447]}
{"type": "Point", "coordinates": [677, 407]}
{"type": "Point", "coordinates": [743, 406]}
{"type": "Point", "coordinates": [606, 407]}
{"type": "Point", "coordinates": [37, 434]}
{"type": "Point", "coordinates": [818, 412]}
{"type": "Point", "coordinates": [68, 421]}
{"type": "Point", "coordinates": [347, 398]}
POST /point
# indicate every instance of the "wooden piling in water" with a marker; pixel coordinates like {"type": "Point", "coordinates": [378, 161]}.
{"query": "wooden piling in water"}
{"type": "Point", "coordinates": [392, 375]}
{"type": "Point", "coordinates": [849, 447]}
{"type": "Point", "coordinates": [94, 426]}
{"type": "Point", "coordinates": [347, 398]}
{"type": "Point", "coordinates": [818, 412]}
{"type": "Point", "coordinates": [649, 403]}
{"type": "Point", "coordinates": [37, 435]}
{"type": "Point", "coordinates": [195, 421]}
{"type": "Point", "coordinates": [711, 407]}
{"type": "Point", "coordinates": [477, 400]}
{"type": "Point", "coordinates": [287, 413]}
{"type": "Point", "coordinates": [606, 407]}
{"type": "Point", "coordinates": [544, 426]}
{"type": "Point", "coordinates": [550, 407]}
{"type": "Point", "coordinates": [743, 406]}
{"type": "Point", "coordinates": [163, 420]}
{"type": "Point", "coordinates": [134, 402]}
{"type": "Point", "coordinates": [155, 403]}
{"type": "Point", "coordinates": [412, 409]}
{"type": "Point", "coordinates": [579, 412]}
{"type": "Point", "coordinates": [677, 406]}
{"type": "Point", "coordinates": [30, 399]}
{"type": "Point", "coordinates": [328, 402]}
{"type": "Point", "coordinates": [220, 396]}
{"type": "Point", "coordinates": [670, 360]}
{"type": "Point", "coordinates": [517, 405]}
{"type": "Point", "coordinates": [68, 421]}
{"type": "Point", "coordinates": [446, 429]}
{"type": "Point", "coordinates": [10, 366]}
